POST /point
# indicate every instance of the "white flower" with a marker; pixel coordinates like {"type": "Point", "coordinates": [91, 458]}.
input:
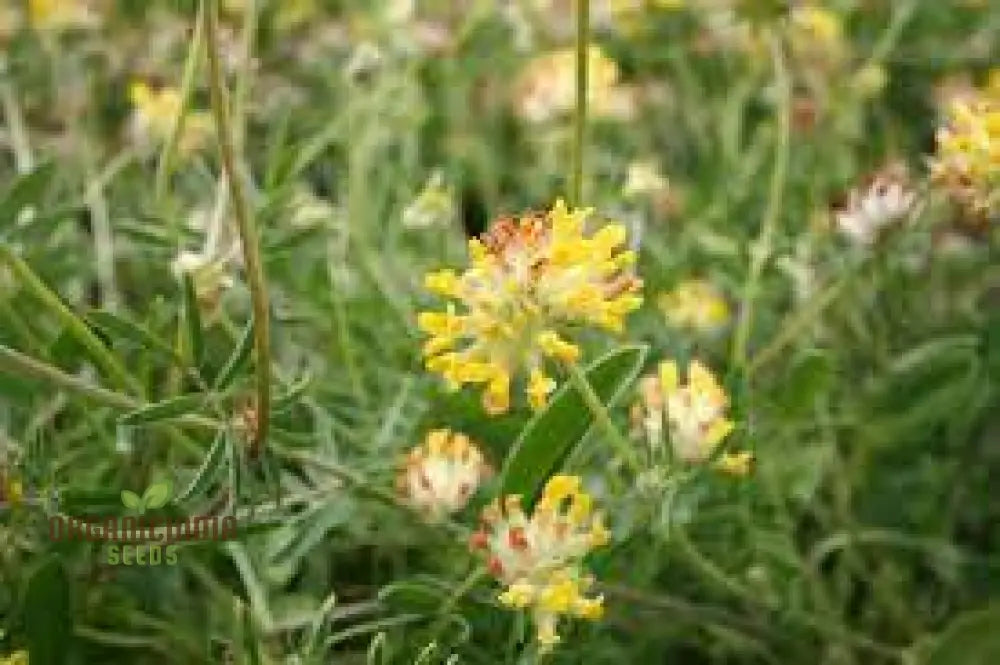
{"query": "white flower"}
{"type": "Point", "coordinates": [643, 178]}
{"type": "Point", "coordinates": [883, 200]}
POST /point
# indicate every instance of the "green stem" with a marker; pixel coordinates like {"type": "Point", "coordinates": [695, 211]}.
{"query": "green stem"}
{"type": "Point", "coordinates": [580, 116]}
{"type": "Point", "coordinates": [761, 249]}
{"type": "Point", "coordinates": [247, 229]}
{"type": "Point", "coordinates": [623, 446]}
{"type": "Point", "coordinates": [106, 360]}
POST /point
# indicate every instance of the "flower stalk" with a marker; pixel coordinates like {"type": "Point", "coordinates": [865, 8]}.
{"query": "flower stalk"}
{"type": "Point", "coordinates": [580, 116]}
{"type": "Point", "coordinates": [247, 229]}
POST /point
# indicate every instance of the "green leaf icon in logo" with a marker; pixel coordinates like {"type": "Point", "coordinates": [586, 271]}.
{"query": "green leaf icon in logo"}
{"type": "Point", "coordinates": [132, 500]}
{"type": "Point", "coordinates": [157, 495]}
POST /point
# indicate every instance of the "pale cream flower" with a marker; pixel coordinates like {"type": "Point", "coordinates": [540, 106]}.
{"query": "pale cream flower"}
{"type": "Point", "coordinates": [882, 200]}
{"type": "Point", "coordinates": [440, 476]}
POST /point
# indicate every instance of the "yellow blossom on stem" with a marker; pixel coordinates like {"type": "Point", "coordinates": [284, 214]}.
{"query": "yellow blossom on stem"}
{"type": "Point", "coordinates": [695, 304]}
{"type": "Point", "coordinates": [156, 110]}
{"type": "Point", "coordinates": [441, 475]}
{"type": "Point", "coordinates": [539, 558]}
{"type": "Point", "coordinates": [689, 414]}
{"type": "Point", "coordinates": [966, 164]}
{"type": "Point", "coordinates": [529, 277]}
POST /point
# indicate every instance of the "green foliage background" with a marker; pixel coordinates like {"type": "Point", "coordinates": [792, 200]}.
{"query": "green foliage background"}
{"type": "Point", "coordinates": [867, 533]}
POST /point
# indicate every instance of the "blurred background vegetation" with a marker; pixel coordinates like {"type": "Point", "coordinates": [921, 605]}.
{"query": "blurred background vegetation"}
{"type": "Point", "coordinates": [373, 138]}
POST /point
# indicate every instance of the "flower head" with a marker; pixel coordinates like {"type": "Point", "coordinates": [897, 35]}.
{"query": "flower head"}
{"type": "Point", "coordinates": [441, 475]}
{"type": "Point", "coordinates": [546, 89]}
{"type": "Point", "coordinates": [644, 179]}
{"type": "Point", "coordinates": [816, 34]}
{"type": "Point", "coordinates": [883, 199]}
{"type": "Point", "coordinates": [529, 277]}
{"type": "Point", "coordinates": [58, 15]}
{"type": "Point", "coordinates": [156, 110]}
{"type": "Point", "coordinates": [210, 268]}
{"type": "Point", "coordinates": [433, 206]}
{"type": "Point", "coordinates": [967, 162]}
{"type": "Point", "coordinates": [539, 558]}
{"type": "Point", "coordinates": [696, 305]}
{"type": "Point", "coordinates": [691, 414]}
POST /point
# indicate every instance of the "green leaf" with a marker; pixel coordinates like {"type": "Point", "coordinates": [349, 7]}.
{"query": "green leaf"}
{"type": "Point", "coordinates": [48, 614]}
{"type": "Point", "coordinates": [973, 638]}
{"type": "Point", "coordinates": [194, 335]}
{"type": "Point", "coordinates": [551, 435]}
{"type": "Point", "coordinates": [237, 360]}
{"type": "Point", "coordinates": [25, 190]}
{"type": "Point", "coordinates": [295, 391]}
{"type": "Point", "coordinates": [810, 375]}
{"type": "Point", "coordinates": [157, 495]}
{"type": "Point", "coordinates": [207, 471]}
{"type": "Point", "coordinates": [118, 326]}
{"type": "Point", "coordinates": [173, 407]}
{"type": "Point", "coordinates": [132, 500]}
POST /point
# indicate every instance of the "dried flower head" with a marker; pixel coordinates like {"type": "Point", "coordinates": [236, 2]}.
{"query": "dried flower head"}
{"type": "Point", "coordinates": [440, 476]}
{"type": "Point", "coordinates": [546, 89]}
{"type": "Point", "coordinates": [690, 415]}
{"type": "Point", "coordinates": [695, 305]}
{"type": "Point", "coordinates": [530, 276]}
{"type": "Point", "coordinates": [539, 558]}
{"type": "Point", "coordinates": [882, 199]}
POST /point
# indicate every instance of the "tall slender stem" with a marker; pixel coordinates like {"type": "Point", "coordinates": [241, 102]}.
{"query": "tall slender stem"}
{"type": "Point", "coordinates": [761, 249]}
{"type": "Point", "coordinates": [244, 220]}
{"type": "Point", "coordinates": [580, 116]}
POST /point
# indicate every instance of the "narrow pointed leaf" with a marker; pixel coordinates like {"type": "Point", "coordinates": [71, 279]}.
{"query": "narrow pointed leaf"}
{"type": "Point", "coordinates": [173, 407]}
{"type": "Point", "coordinates": [551, 435]}
{"type": "Point", "coordinates": [194, 335]}
{"type": "Point", "coordinates": [208, 470]}
{"type": "Point", "coordinates": [237, 360]}
{"type": "Point", "coordinates": [48, 614]}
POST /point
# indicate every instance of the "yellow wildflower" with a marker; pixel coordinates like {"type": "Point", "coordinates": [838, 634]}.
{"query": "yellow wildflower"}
{"type": "Point", "coordinates": [156, 110]}
{"type": "Point", "coordinates": [58, 15]}
{"type": "Point", "coordinates": [735, 464]}
{"type": "Point", "coordinates": [16, 658]}
{"type": "Point", "coordinates": [696, 305]}
{"type": "Point", "coordinates": [691, 415]}
{"type": "Point", "coordinates": [539, 558]}
{"type": "Point", "coordinates": [967, 160]}
{"type": "Point", "coordinates": [816, 34]}
{"type": "Point", "coordinates": [440, 476]}
{"type": "Point", "coordinates": [546, 89]}
{"type": "Point", "coordinates": [528, 278]}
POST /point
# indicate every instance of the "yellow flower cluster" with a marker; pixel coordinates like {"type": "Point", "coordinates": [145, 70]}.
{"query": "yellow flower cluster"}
{"type": "Point", "coordinates": [690, 415]}
{"type": "Point", "coordinates": [156, 110]}
{"type": "Point", "coordinates": [546, 89]}
{"type": "Point", "coordinates": [440, 476]}
{"type": "Point", "coordinates": [816, 34]}
{"type": "Point", "coordinates": [528, 277]}
{"type": "Point", "coordinates": [967, 163]}
{"type": "Point", "coordinates": [16, 658]}
{"type": "Point", "coordinates": [539, 558]}
{"type": "Point", "coordinates": [57, 15]}
{"type": "Point", "coordinates": [696, 305]}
